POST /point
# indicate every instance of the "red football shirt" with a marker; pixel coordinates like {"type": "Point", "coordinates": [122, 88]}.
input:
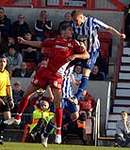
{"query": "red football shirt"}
{"type": "Point", "coordinates": [58, 50]}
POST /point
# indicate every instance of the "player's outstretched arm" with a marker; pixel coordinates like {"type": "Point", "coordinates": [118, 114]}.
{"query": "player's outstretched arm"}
{"type": "Point", "coordinates": [114, 31]}
{"type": "Point", "coordinates": [37, 44]}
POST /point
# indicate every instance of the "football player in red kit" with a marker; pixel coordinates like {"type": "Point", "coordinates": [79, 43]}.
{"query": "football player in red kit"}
{"type": "Point", "coordinates": [59, 51]}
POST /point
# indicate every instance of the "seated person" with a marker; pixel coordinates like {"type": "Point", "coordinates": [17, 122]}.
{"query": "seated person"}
{"type": "Point", "coordinates": [14, 58]}
{"type": "Point", "coordinates": [17, 94]}
{"type": "Point", "coordinates": [87, 103]}
{"type": "Point", "coordinates": [5, 26]}
{"type": "Point", "coordinates": [122, 136]}
{"type": "Point", "coordinates": [76, 77]}
{"type": "Point", "coordinates": [20, 26]}
{"type": "Point", "coordinates": [96, 74]}
{"type": "Point", "coordinates": [43, 26]}
{"type": "Point", "coordinates": [22, 72]}
{"type": "Point", "coordinates": [29, 53]}
{"type": "Point", "coordinates": [67, 21]}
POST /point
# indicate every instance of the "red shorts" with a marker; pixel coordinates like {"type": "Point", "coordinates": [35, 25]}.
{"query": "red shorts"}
{"type": "Point", "coordinates": [44, 77]}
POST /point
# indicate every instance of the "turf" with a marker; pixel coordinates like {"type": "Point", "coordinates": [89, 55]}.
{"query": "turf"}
{"type": "Point", "coordinates": [26, 146]}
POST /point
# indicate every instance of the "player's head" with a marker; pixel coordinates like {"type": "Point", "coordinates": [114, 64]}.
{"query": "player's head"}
{"type": "Point", "coordinates": [43, 105]}
{"type": "Point", "coordinates": [3, 62]}
{"type": "Point", "coordinates": [78, 17]}
{"type": "Point", "coordinates": [66, 31]}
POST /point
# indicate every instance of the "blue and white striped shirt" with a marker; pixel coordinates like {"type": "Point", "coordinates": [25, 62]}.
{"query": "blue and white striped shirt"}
{"type": "Point", "coordinates": [89, 28]}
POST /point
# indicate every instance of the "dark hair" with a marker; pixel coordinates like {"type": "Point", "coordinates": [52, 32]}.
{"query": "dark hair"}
{"type": "Point", "coordinates": [12, 46]}
{"type": "Point", "coordinates": [2, 56]}
{"type": "Point", "coordinates": [1, 8]}
{"type": "Point", "coordinates": [63, 28]}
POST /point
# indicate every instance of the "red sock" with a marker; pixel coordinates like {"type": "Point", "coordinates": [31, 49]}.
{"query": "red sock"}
{"type": "Point", "coordinates": [58, 116]}
{"type": "Point", "coordinates": [21, 107]}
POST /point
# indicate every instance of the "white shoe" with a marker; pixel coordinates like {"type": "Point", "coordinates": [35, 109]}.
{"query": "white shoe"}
{"type": "Point", "coordinates": [44, 140]}
{"type": "Point", "coordinates": [33, 136]}
{"type": "Point", "coordinates": [58, 139]}
{"type": "Point", "coordinates": [12, 121]}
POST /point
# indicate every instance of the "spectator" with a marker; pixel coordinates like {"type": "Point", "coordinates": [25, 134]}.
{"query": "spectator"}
{"type": "Point", "coordinates": [87, 103]}
{"type": "Point", "coordinates": [14, 58]}
{"type": "Point", "coordinates": [43, 26]}
{"type": "Point", "coordinates": [11, 41]}
{"type": "Point", "coordinates": [20, 27]}
{"type": "Point", "coordinates": [22, 72]}
{"type": "Point", "coordinates": [67, 21]}
{"type": "Point", "coordinates": [17, 94]}
{"type": "Point", "coordinates": [5, 26]}
{"type": "Point", "coordinates": [76, 77]}
{"type": "Point", "coordinates": [96, 74]}
{"type": "Point", "coordinates": [29, 53]}
{"type": "Point", "coordinates": [122, 136]}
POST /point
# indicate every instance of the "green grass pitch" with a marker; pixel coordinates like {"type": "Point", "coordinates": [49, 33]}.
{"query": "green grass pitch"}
{"type": "Point", "coordinates": [26, 146]}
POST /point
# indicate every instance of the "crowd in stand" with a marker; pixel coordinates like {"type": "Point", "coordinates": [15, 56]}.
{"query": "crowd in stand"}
{"type": "Point", "coordinates": [22, 55]}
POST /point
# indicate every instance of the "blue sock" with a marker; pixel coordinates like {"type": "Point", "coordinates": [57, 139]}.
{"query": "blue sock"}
{"type": "Point", "coordinates": [83, 86]}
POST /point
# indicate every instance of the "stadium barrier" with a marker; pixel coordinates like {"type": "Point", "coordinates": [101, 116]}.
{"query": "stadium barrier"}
{"type": "Point", "coordinates": [97, 122]}
{"type": "Point", "coordinates": [98, 139]}
{"type": "Point", "coordinates": [108, 104]}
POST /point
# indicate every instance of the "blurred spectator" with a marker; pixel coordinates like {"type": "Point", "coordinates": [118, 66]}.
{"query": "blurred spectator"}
{"type": "Point", "coordinates": [5, 26]}
{"type": "Point", "coordinates": [43, 26]}
{"type": "Point", "coordinates": [103, 63]}
{"type": "Point", "coordinates": [122, 136]}
{"type": "Point", "coordinates": [30, 54]}
{"type": "Point", "coordinates": [67, 21]}
{"type": "Point", "coordinates": [96, 74]}
{"type": "Point", "coordinates": [14, 58]}
{"type": "Point", "coordinates": [23, 71]}
{"type": "Point", "coordinates": [76, 77]}
{"type": "Point", "coordinates": [17, 94]}
{"type": "Point", "coordinates": [87, 103]}
{"type": "Point", "coordinates": [127, 23]}
{"type": "Point", "coordinates": [11, 41]}
{"type": "Point", "coordinates": [20, 27]}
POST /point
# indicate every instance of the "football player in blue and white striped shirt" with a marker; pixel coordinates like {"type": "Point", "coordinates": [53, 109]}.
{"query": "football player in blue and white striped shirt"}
{"type": "Point", "coordinates": [86, 28]}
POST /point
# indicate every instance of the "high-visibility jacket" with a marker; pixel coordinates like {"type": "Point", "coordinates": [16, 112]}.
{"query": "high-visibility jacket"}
{"type": "Point", "coordinates": [39, 114]}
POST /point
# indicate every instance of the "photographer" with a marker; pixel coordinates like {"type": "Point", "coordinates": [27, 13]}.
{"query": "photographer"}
{"type": "Point", "coordinates": [122, 136]}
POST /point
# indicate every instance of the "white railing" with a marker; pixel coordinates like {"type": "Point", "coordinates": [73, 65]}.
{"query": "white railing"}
{"type": "Point", "coordinates": [108, 104]}
{"type": "Point", "coordinates": [97, 122]}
